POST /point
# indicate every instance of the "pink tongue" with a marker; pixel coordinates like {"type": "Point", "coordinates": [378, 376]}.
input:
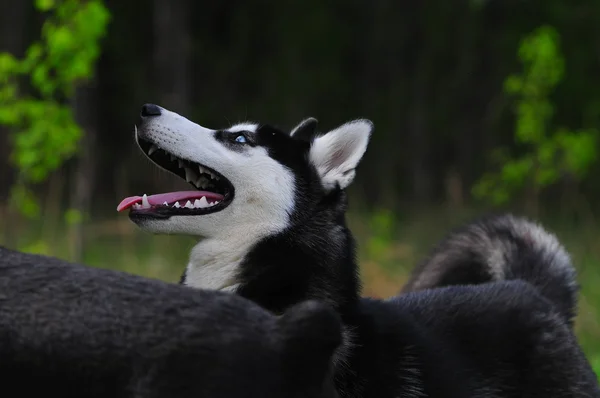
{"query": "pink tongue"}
{"type": "Point", "coordinates": [170, 198]}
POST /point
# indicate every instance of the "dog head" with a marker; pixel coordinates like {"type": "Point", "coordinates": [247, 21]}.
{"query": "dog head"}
{"type": "Point", "coordinates": [248, 180]}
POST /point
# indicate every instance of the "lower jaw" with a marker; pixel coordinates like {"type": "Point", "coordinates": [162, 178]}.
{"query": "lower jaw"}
{"type": "Point", "coordinates": [163, 213]}
{"type": "Point", "coordinates": [146, 215]}
{"type": "Point", "coordinates": [135, 215]}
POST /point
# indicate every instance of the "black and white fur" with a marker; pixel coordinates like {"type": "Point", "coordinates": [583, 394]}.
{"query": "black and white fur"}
{"type": "Point", "coordinates": [283, 239]}
{"type": "Point", "coordinates": [68, 330]}
{"type": "Point", "coordinates": [497, 248]}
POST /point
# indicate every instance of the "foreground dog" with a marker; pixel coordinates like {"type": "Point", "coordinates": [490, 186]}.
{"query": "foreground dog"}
{"type": "Point", "coordinates": [269, 209]}
{"type": "Point", "coordinates": [74, 331]}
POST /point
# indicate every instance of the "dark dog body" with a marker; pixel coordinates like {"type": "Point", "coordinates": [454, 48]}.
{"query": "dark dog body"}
{"type": "Point", "coordinates": [501, 339]}
{"type": "Point", "coordinates": [76, 331]}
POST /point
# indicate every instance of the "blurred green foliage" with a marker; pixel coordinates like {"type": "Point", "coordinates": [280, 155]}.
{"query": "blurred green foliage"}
{"type": "Point", "coordinates": [381, 237]}
{"type": "Point", "coordinates": [596, 365]}
{"type": "Point", "coordinates": [548, 155]}
{"type": "Point", "coordinates": [36, 91]}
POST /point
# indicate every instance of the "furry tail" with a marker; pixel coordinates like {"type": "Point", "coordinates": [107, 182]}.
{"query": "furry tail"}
{"type": "Point", "coordinates": [497, 248]}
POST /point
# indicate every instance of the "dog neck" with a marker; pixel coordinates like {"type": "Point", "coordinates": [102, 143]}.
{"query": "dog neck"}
{"type": "Point", "coordinates": [214, 263]}
{"type": "Point", "coordinates": [281, 269]}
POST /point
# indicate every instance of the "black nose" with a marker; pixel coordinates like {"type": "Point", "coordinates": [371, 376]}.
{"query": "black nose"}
{"type": "Point", "coordinates": [150, 110]}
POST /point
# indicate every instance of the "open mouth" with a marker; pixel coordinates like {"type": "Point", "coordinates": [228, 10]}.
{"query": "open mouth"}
{"type": "Point", "coordinates": [212, 193]}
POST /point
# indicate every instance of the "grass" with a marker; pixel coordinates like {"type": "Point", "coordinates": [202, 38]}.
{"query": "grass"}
{"type": "Point", "coordinates": [389, 246]}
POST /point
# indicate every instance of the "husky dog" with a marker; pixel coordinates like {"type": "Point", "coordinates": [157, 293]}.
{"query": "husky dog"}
{"type": "Point", "coordinates": [268, 208]}
{"type": "Point", "coordinates": [75, 331]}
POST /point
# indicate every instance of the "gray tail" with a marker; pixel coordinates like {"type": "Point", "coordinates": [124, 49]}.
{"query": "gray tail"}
{"type": "Point", "coordinates": [503, 247]}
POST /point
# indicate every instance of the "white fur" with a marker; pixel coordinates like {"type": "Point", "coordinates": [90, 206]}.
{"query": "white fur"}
{"type": "Point", "coordinates": [263, 200]}
{"type": "Point", "coordinates": [337, 153]}
{"type": "Point", "coordinates": [243, 127]}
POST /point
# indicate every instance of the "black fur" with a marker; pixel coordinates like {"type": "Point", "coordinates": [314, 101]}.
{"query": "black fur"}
{"type": "Point", "coordinates": [315, 255]}
{"type": "Point", "coordinates": [306, 130]}
{"type": "Point", "coordinates": [501, 339]}
{"type": "Point", "coordinates": [75, 331]}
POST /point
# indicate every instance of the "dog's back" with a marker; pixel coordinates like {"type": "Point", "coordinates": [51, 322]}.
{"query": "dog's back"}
{"type": "Point", "coordinates": [506, 337]}
{"type": "Point", "coordinates": [78, 331]}
{"type": "Point", "coordinates": [499, 339]}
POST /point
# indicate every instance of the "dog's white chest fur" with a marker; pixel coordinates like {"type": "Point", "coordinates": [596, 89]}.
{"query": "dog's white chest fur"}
{"type": "Point", "coordinates": [214, 264]}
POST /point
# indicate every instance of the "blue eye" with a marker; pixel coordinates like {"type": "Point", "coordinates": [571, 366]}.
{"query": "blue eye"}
{"type": "Point", "coordinates": [241, 139]}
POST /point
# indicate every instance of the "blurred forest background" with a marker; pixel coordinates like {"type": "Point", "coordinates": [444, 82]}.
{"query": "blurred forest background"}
{"type": "Point", "coordinates": [478, 105]}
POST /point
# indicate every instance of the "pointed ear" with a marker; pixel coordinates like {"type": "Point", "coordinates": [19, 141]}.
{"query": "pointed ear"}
{"type": "Point", "coordinates": [305, 130]}
{"type": "Point", "coordinates": [337, 153]}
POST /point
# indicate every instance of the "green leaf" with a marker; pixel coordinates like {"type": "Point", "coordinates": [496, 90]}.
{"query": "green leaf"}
{"type": "Point", "coordinates": [44, 5]}
{"type": "Point", "coordinates": [8, 64]}
{"type": "Point", "coordinates": [73, 216]}
{"type": "Point", "coordinates": [513, 84]}
{"type": "Point", "coordinates": [580, 150]}
{"type": "Point", "coordinates": [46, 132]}
{"type": "Point", "coordinates": [547, 154]}
{"type": "Point", "coordinates": [24, 200]}
{"type": "Point", "coordinates": [515, 172]}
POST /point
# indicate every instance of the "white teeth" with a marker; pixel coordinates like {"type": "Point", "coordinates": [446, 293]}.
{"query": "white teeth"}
{"type": "Point", "coordinates": [152, 149]}
{"type": "Point", "coordinates": [201, 181]}
{"type": "Point", "coordinates": [197, 203]}
{"type": "Point", "coordinates": [145, 203]}
{"type": "Point", "coordinates": [203, 202]}
{"type": "Point", "coordinates": [176, 205]}
{"type": "Point", "coordinates": [190, 176]}
{"type": "Point", "coordinates": [205, 171]}
{"type": "Point", "coordinates": [137, 205]}
{"type": "Point", "coordinates": [165, 204]}
{"type": "Point", "coordinates": [180, 162]}
{"type": "Point", "coordinates": [189, 205]}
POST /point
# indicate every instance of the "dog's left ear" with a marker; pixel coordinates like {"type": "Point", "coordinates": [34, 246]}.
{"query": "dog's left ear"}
{"type": "Point", "coordinates": [337, 153]}
{"type": "Point", "coordinates": [305, 130]}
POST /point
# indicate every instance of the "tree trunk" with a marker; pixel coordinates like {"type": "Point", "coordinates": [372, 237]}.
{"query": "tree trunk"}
{"type": "Point", "coordinates": [466, 137]}
{"type": "Point", "coordinates": [84, 107]}
{"type": "Point", "coordinates": [13, 21]}
{"type": "Point", "coordinates": [422, 180]}
{"type": "Point", "coordinates": [172, 57]}
{"type": "Point", "coordinates": [172, 53]}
